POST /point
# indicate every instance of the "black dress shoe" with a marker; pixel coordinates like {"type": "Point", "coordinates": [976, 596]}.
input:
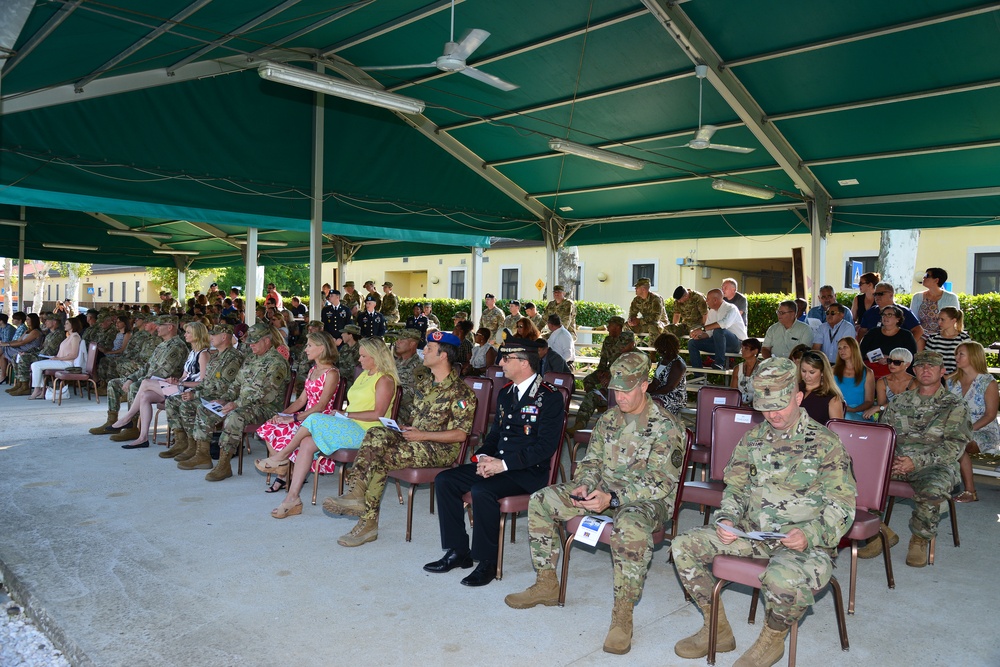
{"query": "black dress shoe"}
{"type": "Point", "coordinates": [141, 445]}
{"type": "Point", "coordinates": [451, 560]}
{"type": "Point", "coordinates": [484, 573]}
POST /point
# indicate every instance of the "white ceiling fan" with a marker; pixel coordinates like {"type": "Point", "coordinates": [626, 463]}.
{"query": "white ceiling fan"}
{"type": "Point", "coordinates": [455, 55]}
{"type": "Point", "coordinates": [703, 137]}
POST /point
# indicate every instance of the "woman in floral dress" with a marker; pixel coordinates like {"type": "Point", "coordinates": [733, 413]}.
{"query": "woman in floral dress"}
{"type": "Point", "coordinates": [973, 382]}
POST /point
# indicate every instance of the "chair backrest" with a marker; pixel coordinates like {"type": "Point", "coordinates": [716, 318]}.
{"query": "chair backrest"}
{"type": "Point", "coordinates": [729, 423]}
{"type": "Point", "coordinates": [494, 372]}
{"type": "Point", "coordinates": [483, 389]}
{"type": "Point", "coordinates": [872, 447]}
{"type": "Point", "coordinates": [357, 371]}
{"type": "Point", "coordinates": [91, 359]}
{"type": "Point", "coordinates": [561, 380]}
{"type": "Point", "coordinates": [688, 444]}
{"type": "Point", "coordinates": [81, 356]}
{"type": "Point", "coordinates": [708, 398]}
{"type": "Point", "coordinates": [554, 461]}
{"type": "Point", "coordinates": [567, 395]}
{"type": "Point", "coordinates": [397, 398]}
{"type": "Point", "coordinates": [339, 395]}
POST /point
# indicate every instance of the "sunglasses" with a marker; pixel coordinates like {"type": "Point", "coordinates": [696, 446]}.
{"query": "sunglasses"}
{"type": "Point", "coordinates": [896, 362]}
{"type": "Point", "coordinates": [881, 293]}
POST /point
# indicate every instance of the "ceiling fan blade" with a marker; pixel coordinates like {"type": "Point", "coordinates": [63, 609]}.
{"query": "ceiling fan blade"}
{"type": "Point", "coordinates": [382, 67]}
{"type": "Point", "coordinates": [731, 149]}
{"type": "Point", "coordinates": [494, 81]}
{"type": "Point", "coordinates": [471, 41]}
{"type": "Point", "coordinates": [704, 134]}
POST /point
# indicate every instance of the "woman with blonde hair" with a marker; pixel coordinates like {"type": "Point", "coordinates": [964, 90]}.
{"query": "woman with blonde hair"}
{"type": "Point", "coordinates": [973, 382]}
{"type": "Point", "coordinates": [371, 397]}
{"type": "Point", "coordinates": [316, 398]}
{"type": "Point", "coordinates": [156, 390]}
{"type": "Point", "coordinates": [949, 335]}
{"type": "Point", "coordinates": [821, 398]}
{"type": "Point", "coordinates": [855, 380]}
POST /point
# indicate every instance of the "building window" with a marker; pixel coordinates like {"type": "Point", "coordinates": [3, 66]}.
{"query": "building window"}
{"type": "Point", "coordinates": [509, 282]}
{"type": "Point", "coordinates": [124, 298]}
{"type": "Point", "coordinates": [111, 290]}
{"type": "Point", "coordinates": [57, 292]}
{"type": "Point", "coordinates": [456, 288]}
{"type": "Point", "coordinates": [987, 273]}
{"type": "Point", "coordinates": [644, 268]}
{"type": "Point", "coordinates": [137, 291]}
{"type": "Point", "coordinates": [867, 266]}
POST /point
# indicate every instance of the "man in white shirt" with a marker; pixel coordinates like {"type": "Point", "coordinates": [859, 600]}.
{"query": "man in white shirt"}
{"type": "Point", "coordinates": [782, 336]}
{"type": "Point", "coordinates": [722, 332]}
{"type": "Point", "coordinates": [833, 331]}
{"type": "Point", "coordinates": [560, 340]}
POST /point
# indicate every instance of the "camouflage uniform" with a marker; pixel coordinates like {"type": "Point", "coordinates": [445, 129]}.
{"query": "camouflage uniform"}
{"type": "Point", "coordinates": [50, 346]}
{"type": "Point", "coordinates": [258, 391]}
{"type": "Point", "coordinates": [167, 360]}
{"type": "Point", "coordinates": [566, 312]}
{"type": "Point", "coordinates": [348, 362]}
{"type": "Point", "coordinates": [464, 352]}
{"type": "Point", "coordinates": [932, 431]}
{"type": "Point", "coordinates": [349, 300]}
{"type": "Point", "coordinates": [301, 365]}
{"type": "Point", "coordinates": [692, 312]}
{"type": "Point", "coordinates": [654, 315]}
{"type": "Point", "coordinates": [492, 319]}
{"type": "Point", "coordinates": [775, 481]}
{"type": "Point", "coordinates": [539, 320]}
{"type": "Point", "coordinates": [639, 458]}
{"type": "Point", "coordinates": [409, 371]}
{"type": "Point", "coordinates": [390, 308]}
{"type": "Point", "coordinates": [510, 322]}
{"type": "Point", "coordinates": [433, 319]}
{"type": "Point", "coordinates": [611, 349]}
{"type": "Point", "coordinates": [378, 300]}
{"type": "Point", "coordinates": [129, 361]}
{"type": "Point", "coordinates": [223, 367]}
{"type": "Point", "coordinates": [437, 407]}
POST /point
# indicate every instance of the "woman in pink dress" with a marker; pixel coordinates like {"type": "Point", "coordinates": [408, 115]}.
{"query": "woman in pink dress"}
{"type": "Point", "coordinates": [317, 397]}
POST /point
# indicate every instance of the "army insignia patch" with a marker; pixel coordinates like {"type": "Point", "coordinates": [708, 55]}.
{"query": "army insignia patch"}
{"type": "Point", "coordinates": [676, 459]}
{"type": "Point", "coordinates": [463, 404]}
{"type": "Point", "coordinates": [753, 470]}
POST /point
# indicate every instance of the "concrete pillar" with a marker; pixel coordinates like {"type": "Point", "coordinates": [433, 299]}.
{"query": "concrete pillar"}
{"type": "Point", "coordinates": [476, 286]}
{"type": "Point", "coordinates": [253, 286]}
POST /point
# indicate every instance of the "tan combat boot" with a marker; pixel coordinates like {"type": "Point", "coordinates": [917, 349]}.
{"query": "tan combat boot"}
{"type": "Point", "coordinates": [696, 646]}
{"type": "Point", "coordinates": [23, 390]}
{"type": "Point", "coordinates": [619, 639]}
{"type": "Point", "coordinates": [767, 650]}
{"type": "Point", "coordinates": [222, 469]}
{"type": "Point", "coordinates": [179, 447]}
{"type": "Point", "coordinates": [874, 546]}
{"type": "Point", "coordinates": [202, 459]}
{"type": "Point", "coordinates": [544, 591]}
{"type": "Point", "coordinates": [916, 555]}
{"type": "Point", "coordinates": [349, 504]}
{"type": "Point", "coordinates": [131, 432]}
{"type": "Point", "coordinates": [112, 418]}
{"type": "Point", "coordinates": [14, 387]}
{"type": "Point", "coordinates": [365, 531]}
{"type": "Point", "coordinates": [190, 451]}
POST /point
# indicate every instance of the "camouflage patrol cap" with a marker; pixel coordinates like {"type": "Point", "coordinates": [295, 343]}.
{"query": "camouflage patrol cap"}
{"type": "Point", "coordinates": [258, 331]}
{"type": "Point", "coordinates": [219, 329]}
{"type": "Point", "coordinates": [461, 315]}
{"type": "Point", "coordinates": [558, 288]}
{"type": "Point", "coordinates": [369, 282]}
{"type": "Point", "coordinates": [928, 358]}
{"type": "Point", "coordinates": [349, 283]}
{"type": "Point", "coordinates": [315, 323]}
{"type": "Point", "coordinates": [617, 319]}
{"type": "Point", "coordinates": [641, 282]}
{"type": "Point", "coordinates": [628, 371]}
{"type": "Point", "coordinates": [775, 384]}
{"type": "Point", "coordinates": [409, 334]}
{"type": "Point", "coordinates": [352, 329]}
{"type": "Point", "coordinates": [166, 319]}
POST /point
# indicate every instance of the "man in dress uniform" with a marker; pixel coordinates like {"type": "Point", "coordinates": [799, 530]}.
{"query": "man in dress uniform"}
{"type": "Point", "coordinates": [390, 304]}
{"type": "Point", "coordinates": [335, 315]}
{"type": "Point", "coordinates": [370, 321]}
{"type": "Point", "coordinates": [419, 322]}
{"type": "Point", "coordinates": [789, 475]}
{"type": "Point", "coordinates": [650, 306]}
{"type": "Point", "coordinates": [564, 308]}
{"type": "Point", "coordinates": [443, 411]}
{"type": "Point", "coordinates": [492, 317]}
{"type": "Point", "coordinates": [514, 459]}
{"type": "Point", "coordinates": [630, 472]}
{"type": "Point", "coordinates": [350, 297]}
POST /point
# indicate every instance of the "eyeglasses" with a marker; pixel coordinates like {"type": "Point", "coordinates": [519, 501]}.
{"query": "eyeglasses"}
{"type": "Point", "coordinates": [784, 312]}
{"type": "Point", "coordinates": [890, 314]}
{"type": "Point", "coordinates": [896, 362]}
{"type": "Point", "coordinates": [509, 357]}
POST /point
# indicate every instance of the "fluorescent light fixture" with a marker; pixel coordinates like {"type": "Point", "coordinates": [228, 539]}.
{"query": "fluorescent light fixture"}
{"type": "Point", "coordinates": [140, 233]}
{"type": "Point", "coordinates": [14, 223]}
{"type": "Point", "coordinates": [599, 154]}
{"type": "Point", "coordinates": [69, 246]}
{"type": "Point", "coordinates": [321, 83]}
{"type": "Point", "coordinates": [176, 252]}
{"type": "Point", "coordinates": [273, 244]}
{"type": "Point", "coordinates": [740, 189]}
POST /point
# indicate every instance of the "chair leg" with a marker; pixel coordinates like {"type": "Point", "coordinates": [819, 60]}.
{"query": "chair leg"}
{"type": "Point", "coordinates": [754, 598]}
{"type": "Point", "coordinates": [55, 390]}
{"type": "Point", "coordinates": [399, 492]}
{"type": "Point", "coordinates": [567, 543]}
{"type": "Point", "coordinates": [930, 555]}
{"type": "Point", "coordinates": [342, 475]}
{"type": "Point", "coordinates": [409, 512]}
{"type": "Point", "coordinates": [513, 526]}
{"type": "Point", "coordinates": [888, 509]}
{"type": "Point", "coordinates": [954, 519]}
{"type": "Point", "coordinates": [94, 382]}
{"type": "Point", "coordinates": [239, 466]}
{"type": "Point", "coordinates": [319, 462]}
{"type": "Point", "coordinates": [793, 641]}
{"type": "Point", "coordinates": [838, 606]}
{"type": "Point", "coordinates": [432, 497]}
{"type": "Point", "coordinates": [890, 580]}
{"type": "Point", "coordinates": [503, 530]}
{"type": "Point", "coordinates": [713, 620]}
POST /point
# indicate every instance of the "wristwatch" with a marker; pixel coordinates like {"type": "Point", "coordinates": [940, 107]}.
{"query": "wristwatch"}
{"type": "Point", "coordinates": [615, 503]}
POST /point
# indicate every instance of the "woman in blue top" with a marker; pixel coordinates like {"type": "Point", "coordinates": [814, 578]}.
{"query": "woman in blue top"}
{"type": "Point", "coordinates": [855, 381]}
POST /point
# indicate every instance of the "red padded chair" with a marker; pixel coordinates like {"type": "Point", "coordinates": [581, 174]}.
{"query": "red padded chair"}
{"type": "Point", "coordinates": [901, 489]}
{"type": "Point", "coordinates": [708, 398]}
{"type": "Point", "coordinates": [568, 532]}
{"type": "Point", "coordinates": [747, 571]}
{"type": "Point", "coordinates": [871, 447]}
{"type": "Point", "coordinates": [494, 372]}
{"type": "Point", "coordinates": [482, 388]}
{"type": "Point", "coordinates": [567, 380]}
{"type": "Point", "coordinates": [89, 375]}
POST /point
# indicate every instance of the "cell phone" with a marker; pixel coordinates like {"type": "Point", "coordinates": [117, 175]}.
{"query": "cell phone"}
{"type": "Point", "coordinates": [579, 498]}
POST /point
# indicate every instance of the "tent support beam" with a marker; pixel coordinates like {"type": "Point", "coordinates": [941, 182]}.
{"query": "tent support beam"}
{"type": "Point", "coordinates": [820, 219]}
{"type": "Point", "coordinates": [316, 219]}
{"type": "Point", "coordinates": [659, 181]}
{"type": "Point", "coordinates": [389, 26]}
{"type": "Point", "coordinates": [251, 287]}
{"type": "Point", "coordinates": [475, 287]}
{"type": "Point", "coordinates": [918, 196]}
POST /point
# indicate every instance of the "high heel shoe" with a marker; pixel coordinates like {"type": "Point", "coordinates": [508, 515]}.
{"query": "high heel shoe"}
{"type": "Point", "coordinates": [283, 511]}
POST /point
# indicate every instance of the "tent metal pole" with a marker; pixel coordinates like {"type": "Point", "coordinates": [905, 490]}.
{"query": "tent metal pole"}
{"type": "Point", "coordinates": [819, 227]}
{"type": "Point", "coordinates": [20, 266]}
{"type": "Point", "coordinates": [476, 287]}
{"type": "Point", "coordinates": [316, 219]}
{"type": "Point", "coordinates": [181, 285]}
{"type": "Point", "coordinates": [251, 286]}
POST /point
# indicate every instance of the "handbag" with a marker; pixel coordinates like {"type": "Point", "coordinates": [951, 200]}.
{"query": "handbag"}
{"type": "Point", "coordinates": [50, 394]}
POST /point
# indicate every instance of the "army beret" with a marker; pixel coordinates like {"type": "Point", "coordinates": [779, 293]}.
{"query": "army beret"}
{"type": "Point", "coordinates": [513, 302]}
{"type": "Point", "coordinates": [489, 296]}
{"type": "Point", "coordinates": [443, 337]}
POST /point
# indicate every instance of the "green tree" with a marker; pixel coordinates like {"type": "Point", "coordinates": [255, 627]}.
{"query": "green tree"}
{"type": "Point", "coordinates": [166, 277]}
{"type": "Point", "coordinates": [290, 279]}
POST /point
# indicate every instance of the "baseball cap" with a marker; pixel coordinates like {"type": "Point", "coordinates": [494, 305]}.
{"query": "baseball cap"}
{"type": "Point", "coordinates": [258, 331]}
{"type": "Point", "coordinates": [928, 358]}
{"type": "Point", "coordinates": [775, 384]}
{"type": "Point", "coordinates": [628, 371]}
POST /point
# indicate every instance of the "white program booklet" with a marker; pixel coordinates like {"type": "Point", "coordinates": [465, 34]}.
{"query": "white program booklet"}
{"type": "Point", "coordinates": [390, 424]}
{"type": "Point", "coordinates": [590, 529]}
{"type": "Point", "coordinates": [755, 535]}
{"type": "Point", "coordinates": [214, 406]}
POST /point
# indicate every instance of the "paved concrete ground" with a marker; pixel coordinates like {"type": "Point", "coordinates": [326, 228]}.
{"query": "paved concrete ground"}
{"type": "Point", "coordinates": [129, 561]}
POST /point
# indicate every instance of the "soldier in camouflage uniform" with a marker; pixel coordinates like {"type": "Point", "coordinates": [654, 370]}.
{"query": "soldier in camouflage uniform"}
{"type": "Point", "coordinates": [182, 408]}
{"type": "Point", "coordinates": [253, 397]}
{"type": "Point", "coordinates": [510, 322]}
{"type": "Point", "coordinates": [690, 310]}
{"type": "Point", "coordinates": [630, 472]}
{"type": "Point", "coordinates": [93, 319]}
{"type": "Point", "coordinates": [132, 357]}
{"type": "Point", "coordinates": [443, 411]}
{"type": "Point", "coordinates": [932, 428]}
{"type": "Point", "coordinates": [348, 350]}
{"type": "Point", "coordinates": [370, 289]}
{"type": "Point", "coordinates": [788, 475]}
{"type": "Point", "coordinates": [431, 317]}
{"type": "Point", "coordinates": [54, 336]}
{"type": "Point", "coordinates": [531, 312]}
{"type": "Point", "coordinates": [615, 344]}
{"type": "Point", "coordinates": [350, 298]}
{"type": "Point", "coordinates": [390, 304]}
{"type": "Point", "coordinates": [410, 368]}
{"type": "Point", "coordinates": [165, 360]}
{"type": "Point", "coordinates": [492, 317]}
{"type": "Point", "coordinates": [650, 306]}
{"type": "Point", "coordinates": [564, 308]}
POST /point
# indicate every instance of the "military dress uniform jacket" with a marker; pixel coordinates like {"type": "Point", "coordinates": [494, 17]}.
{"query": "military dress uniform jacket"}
{"type": "Point", "coordinates": [335, 318]}
{"type": "Point", "coordinates": [639, 459]}
{"type": "Point", "coordinates": [420, 324]}
{"type": "Point", "coordinates": [167, 360]}
{"type": "Point", "coordinates": [526, 433]}
{"type": "Point", "coordinates": [799, 478]}
{"type": "Point", "coordinates": [371, 324]}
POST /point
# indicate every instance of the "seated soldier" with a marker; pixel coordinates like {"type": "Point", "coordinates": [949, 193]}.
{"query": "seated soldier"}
{"type": "Point", "coordinates": [409, 368]}
{"type": "Point", "coordinates": [630, 472]}
{"type": "Point", "coordinates": [443, 411]}
{"type": "Point", "coordinates": [616, 343]}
